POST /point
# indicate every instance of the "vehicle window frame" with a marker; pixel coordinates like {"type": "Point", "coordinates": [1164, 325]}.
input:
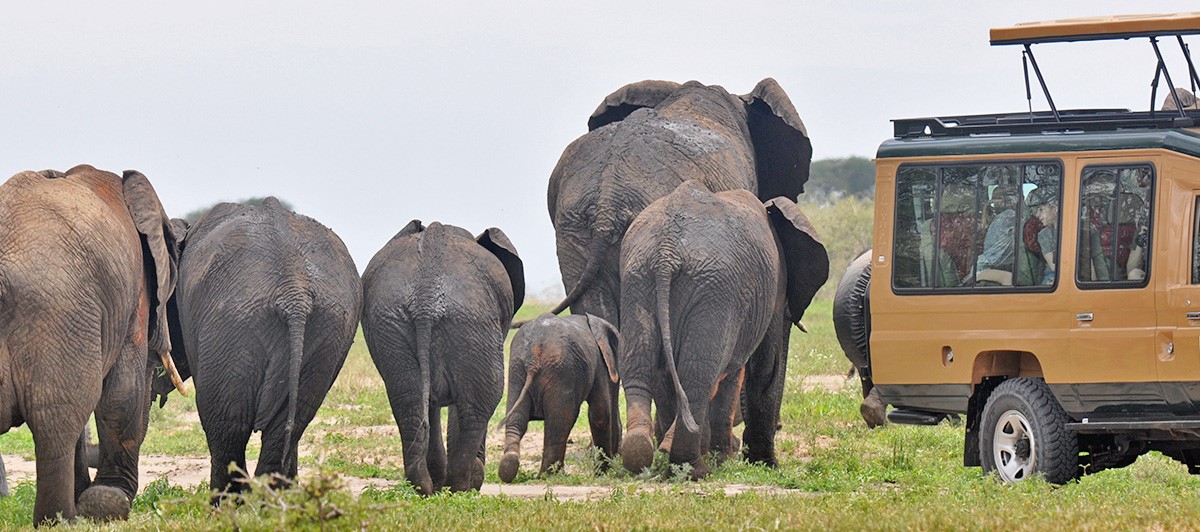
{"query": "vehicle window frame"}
{"type": "Point", "coordinates": [1150, 194]}
{"type": "Point", "coordinates": [937, 167]}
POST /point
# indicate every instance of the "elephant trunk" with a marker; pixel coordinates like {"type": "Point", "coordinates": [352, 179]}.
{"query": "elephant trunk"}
{"type": "Point", "coordinates": [512, 410]}
{"type": "Point", "coordinates": [662, 289]}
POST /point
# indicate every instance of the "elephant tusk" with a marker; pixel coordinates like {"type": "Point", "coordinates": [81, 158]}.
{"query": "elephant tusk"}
{"type": "Point", "coordinates": [169, 365]}
{"type": "Point", "coordinates": [800, 325]}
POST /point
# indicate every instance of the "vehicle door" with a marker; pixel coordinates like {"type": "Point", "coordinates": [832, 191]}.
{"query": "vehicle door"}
{"type": "Point", "coordinates": [1113, 338]}
{"type": "Point", "coordinates": [1178, 342]}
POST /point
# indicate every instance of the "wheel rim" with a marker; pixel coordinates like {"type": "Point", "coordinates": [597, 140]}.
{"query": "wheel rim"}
{"type": "Point", "coordinates": [1013, 447]}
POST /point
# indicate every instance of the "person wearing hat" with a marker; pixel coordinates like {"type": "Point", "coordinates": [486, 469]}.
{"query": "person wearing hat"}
{"type": "Point", "coordinates": [1044, 203]}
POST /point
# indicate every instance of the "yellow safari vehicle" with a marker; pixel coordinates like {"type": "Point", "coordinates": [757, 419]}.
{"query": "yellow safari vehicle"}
{"type": "Point", "coordinates": [1039, 272]}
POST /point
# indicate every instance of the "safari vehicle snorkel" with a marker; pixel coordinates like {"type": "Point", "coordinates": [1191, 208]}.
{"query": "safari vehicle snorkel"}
{"type": "Point", "coordinates": [1039, 272]}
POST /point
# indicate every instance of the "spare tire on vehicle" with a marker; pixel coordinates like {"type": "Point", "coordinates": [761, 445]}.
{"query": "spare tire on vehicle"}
{"type": "Point", "coordinates": [852, 323]}
{"type": "Point", "coordinates": [851, 312]}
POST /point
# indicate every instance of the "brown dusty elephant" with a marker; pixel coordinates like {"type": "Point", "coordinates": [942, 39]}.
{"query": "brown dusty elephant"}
{"type": "Point", "coordinates": [554, 365]}
{"type": "Point", "coordinates": [437, 305]}
{"type": "Point", "coordinates": [643, 141]}
{"type": "Point", "coordinates": [711, 284]}
{"type": "Point", "coordinates": [87, 264]}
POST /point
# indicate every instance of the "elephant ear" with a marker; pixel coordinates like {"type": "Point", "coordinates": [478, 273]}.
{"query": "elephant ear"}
{"type": "Point", "coordinates": [627, 99]}
{"type": "Point", "coordinates": [782, 150]}
{"type": "Point", "coordinates": [804, 256]}
{"type": "Point", "coordinates": [160, 254]}
{"type": "Point", "coordinates": [496, 242]}
{"type": "Point", "coordinates": [608, 339]}
{"type": "Point", "coordinates": [180, 228]}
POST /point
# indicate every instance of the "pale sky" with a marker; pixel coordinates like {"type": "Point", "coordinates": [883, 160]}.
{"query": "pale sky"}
{"type": "Point", "coordinates": [365, 115]}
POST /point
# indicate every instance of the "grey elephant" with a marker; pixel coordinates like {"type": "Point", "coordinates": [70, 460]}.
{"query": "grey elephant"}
{"type": "Point", "coordinates": [554, 365]}
{"type": "Point", "coordinates": [269, 302]}
{"type": "Point", "coordinates": [643, 141]}
{"type": "Point", "coordinates": [437, 305]}
{"type": "Point", "coordinates": [710, 286]}
{"type": "Point", "coordinates": [87, 264]}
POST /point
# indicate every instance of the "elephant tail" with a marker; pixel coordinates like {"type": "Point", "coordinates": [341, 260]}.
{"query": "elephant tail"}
{"type": "Point", "coordinates": [297, 320]}
{"type": "Point", "coordinates": [520, 397]}
{"type": "Point", "coordinates": [662, 289]}
{"type": "Point", "coordinates": [424, 338]}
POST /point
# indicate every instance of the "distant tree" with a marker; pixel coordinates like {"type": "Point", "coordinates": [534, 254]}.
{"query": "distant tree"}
{"type": "Point", "coordinates": [194, 216]}
{"type": "Point", "coordinates": [841, 177]}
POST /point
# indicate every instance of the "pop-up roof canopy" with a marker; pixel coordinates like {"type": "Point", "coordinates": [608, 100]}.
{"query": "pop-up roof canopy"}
{"type": "Point", "coordinates": [1119, 27]}
{"type": "Point", "coordinates": [1106, 28]}
{"type": "Point", "coordinates": [1098, 28]}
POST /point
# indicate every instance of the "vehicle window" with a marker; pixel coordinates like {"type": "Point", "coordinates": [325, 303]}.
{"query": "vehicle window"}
{"type": "Point", "coordinates": [1114, 226]}
{"type": "Point", "coordinates": [1196, 243]}
{"type": "Point", "coordinates": [972, 227]}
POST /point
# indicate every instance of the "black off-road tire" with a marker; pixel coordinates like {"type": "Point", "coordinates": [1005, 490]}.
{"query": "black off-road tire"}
{"type": "Point", "coordinates": [852, 312]}
{"type": "Point", "coordinates": [1023, 416]}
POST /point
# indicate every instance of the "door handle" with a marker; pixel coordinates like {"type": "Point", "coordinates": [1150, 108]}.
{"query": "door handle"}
{"type": "Point", "coordinates": [1193, 315]}
{"type": "Point", "coordinates": [1084, 316]}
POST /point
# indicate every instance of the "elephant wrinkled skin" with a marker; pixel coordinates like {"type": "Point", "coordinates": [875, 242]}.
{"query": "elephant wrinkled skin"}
{"type": "Point", "coordinates": [87, 264]}
{"type": "Point", "coordinates": [710, 286]}
{"type": "Point", "coordinates": [269, 302]}
{"type": "Point", "coordinates": [643, 141]}
{"type": "Point", "coordinates": [437, 306]}
{"type": "Point", "coordinates": [554, 365]}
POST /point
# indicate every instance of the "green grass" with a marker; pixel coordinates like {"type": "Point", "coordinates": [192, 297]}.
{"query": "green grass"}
{"type": "Point", "coordinates": [834, 474]}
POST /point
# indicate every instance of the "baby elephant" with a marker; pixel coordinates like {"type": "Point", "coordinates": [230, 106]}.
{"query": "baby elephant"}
{"type": "Point", "coordinates": [555, 364]}
{"type": "Point", "coordinates": [436, 310]}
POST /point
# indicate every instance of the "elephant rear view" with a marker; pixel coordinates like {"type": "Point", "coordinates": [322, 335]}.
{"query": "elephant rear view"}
{"type": "Point", "coordinates": [436, 309]}
{"type": "Point", "coordinates": [710, 285]}
{"type": "Point", "coordinates": [87, 263]}
{"type": "Point", "coordinates": [269, 304]}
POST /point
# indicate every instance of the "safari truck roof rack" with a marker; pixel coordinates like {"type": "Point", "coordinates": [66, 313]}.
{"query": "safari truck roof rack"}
{"type": "Point", "coordinates": [1122, 27]}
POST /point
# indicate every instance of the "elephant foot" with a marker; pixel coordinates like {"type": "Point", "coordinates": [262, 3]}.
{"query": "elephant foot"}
{"type": "Point", "coordinates": [510, 464]}
{"type": "Point", "coordinates": [699, 470]}
{"type": "Point", "coordinates": [103, 504]}
{"type": "Point", "coordinates": [873, 410]}
{"type": "Point", "coordinates": [637, 452]}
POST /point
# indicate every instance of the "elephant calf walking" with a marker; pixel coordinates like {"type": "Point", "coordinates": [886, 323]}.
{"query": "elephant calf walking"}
{"type": "Point", "coordinates": [710, 284]}
{"type": "Point", "coordinates": [555, 364]}
{"type": "Point", "coordinates": [437, 305]}
{"type": "Point", "coordinates": [269, 303]}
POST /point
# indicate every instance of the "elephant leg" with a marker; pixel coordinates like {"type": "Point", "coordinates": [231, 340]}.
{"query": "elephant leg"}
{"type": "Point", "coordinates": [602, 412]}
{"type": "Point", "coordinates": [517, 426]}
{"type": "Point", "coordinates": [637, 447]}
{"type": "Point", "coordinates": [83, 477]}
{"type": "Point", "coordinates": [415, 428]}
{"type": "Point", "coordinates": [722, 413]}
{"type": "Point", "coordinates": [766, 374]}
{"type": "Point", "coordinates": [687, 447]}
{"type": "Point", "coordinates": [435, 457]}
{"type": "Point", "coordinates": [561, 412]}
{"type": "Point", "coordinates": [122, 415]}
{"type": "Point", "coordinates": [664, 412]}
{"type": "Point", "coordinates": [55, 464]}
{"type": "Point", "coordinates": [466, 432]}
{"type": "Point", "coordinates": [4, 491]}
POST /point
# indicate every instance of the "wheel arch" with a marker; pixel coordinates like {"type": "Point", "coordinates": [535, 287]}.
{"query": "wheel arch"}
{"type": "Point", "coordinates": [989, 369]}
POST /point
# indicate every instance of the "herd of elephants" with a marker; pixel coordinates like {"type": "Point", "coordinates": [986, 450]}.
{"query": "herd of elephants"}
{"type": "Point", "coordinates": [686, 258]}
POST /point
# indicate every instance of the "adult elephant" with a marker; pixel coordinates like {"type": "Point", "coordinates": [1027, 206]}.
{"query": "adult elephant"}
{"type": "Point", "coordinates": [711, 285]}
{"type": "Point", "coordinates": [437, 306]}
{"type": "Point", "coordinates": [87, 265]}
{"type": "Point", "coordinates": [268, 303]}
{"type": "Point", "coordinates": [643, 141]}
